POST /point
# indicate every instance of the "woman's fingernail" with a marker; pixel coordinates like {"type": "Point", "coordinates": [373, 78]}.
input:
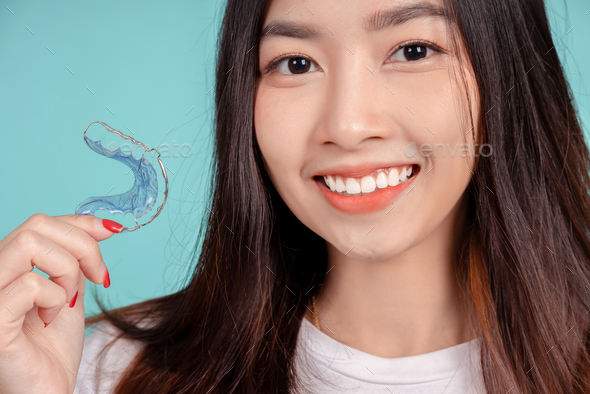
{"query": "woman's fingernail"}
{"type": "Point", "coordinates": [104, 272]}
{"type": "Point", "coordinates": [73, 301]}
{"type": "Point", "coordinates": [112, 226]}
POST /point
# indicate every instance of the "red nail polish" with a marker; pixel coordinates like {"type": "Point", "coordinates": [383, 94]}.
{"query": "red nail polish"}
{"type": "Point", "coordinates": [106, 280]}
{"type": "Point", "coordinates": [73, 302]}
{"type": "Point", "coordinates": [46, 324]}
{"type": "Point", "coordinates": [112, 226]}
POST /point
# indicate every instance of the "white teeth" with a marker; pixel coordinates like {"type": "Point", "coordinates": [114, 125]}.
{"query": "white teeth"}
{"type": "Point", "coordinates": [352, 186]}
{"type": "Point", "coordinates": [402, 175]}
{"type": "Point", "coordinates": [330, 182]}
{"type": "Point", "coordinates": [368, 184]}
{"type": "Point", "coordinates": [340, 186]}
{"type": "Point", "coordinates": [382, 182]}
{"type": "Point", "coordinates": [393, 177]}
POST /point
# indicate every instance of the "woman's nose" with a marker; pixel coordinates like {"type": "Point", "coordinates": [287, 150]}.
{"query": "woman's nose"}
{"type": "Point", "coordinates": [357, 105]}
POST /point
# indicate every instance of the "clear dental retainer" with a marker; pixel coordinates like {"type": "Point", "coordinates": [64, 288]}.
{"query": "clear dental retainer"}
{"type": "Point", "coordinates": [140, 199]}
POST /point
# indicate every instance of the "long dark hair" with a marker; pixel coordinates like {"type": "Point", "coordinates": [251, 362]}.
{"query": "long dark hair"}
{"type": "Point", "coordinates": [524, 255]}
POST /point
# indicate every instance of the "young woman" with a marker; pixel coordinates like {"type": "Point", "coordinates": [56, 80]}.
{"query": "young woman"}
{"type": "Point", "coordinates": [359, 238]}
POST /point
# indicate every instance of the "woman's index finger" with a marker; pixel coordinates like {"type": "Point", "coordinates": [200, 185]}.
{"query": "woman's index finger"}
{"type": "Point", "coordinates": [77, 234]}
{"type": "Point", "coordinates": [98, 228]}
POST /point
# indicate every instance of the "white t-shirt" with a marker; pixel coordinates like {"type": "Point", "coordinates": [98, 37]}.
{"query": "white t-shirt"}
{"type": "Point", "coordinates": [328, 366]}
{"type": "Point", "coordinates": [323, 365]}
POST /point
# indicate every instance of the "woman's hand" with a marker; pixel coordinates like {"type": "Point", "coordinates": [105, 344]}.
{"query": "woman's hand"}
{"type": "Point", "coordinates": [34, 358]}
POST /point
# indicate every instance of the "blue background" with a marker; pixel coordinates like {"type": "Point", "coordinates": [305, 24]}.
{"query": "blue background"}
{"type": "Point", "coordinates": [148, 67]}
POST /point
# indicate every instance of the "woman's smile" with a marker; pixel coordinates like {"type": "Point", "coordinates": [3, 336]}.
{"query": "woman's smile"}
{"type": "Point", "coordinates": [367, 194]}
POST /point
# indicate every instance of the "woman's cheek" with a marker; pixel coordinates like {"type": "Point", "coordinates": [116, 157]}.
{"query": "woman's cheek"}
{"type": "Point", "coordinates": [272, 136]}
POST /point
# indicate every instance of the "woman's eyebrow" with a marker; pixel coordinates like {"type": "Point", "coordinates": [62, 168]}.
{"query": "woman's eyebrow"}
{"type": "Point", "coordinates": [396, 16]}
{"type": "Point", "coordinates": [378, 20]}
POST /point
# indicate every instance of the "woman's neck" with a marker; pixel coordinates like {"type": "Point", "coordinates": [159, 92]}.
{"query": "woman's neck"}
{"type": "Point", "coordinates": [410, 304]}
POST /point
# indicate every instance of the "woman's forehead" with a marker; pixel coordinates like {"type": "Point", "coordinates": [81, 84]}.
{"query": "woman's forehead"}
{"type": "Point", "coordinates": [369, 15]}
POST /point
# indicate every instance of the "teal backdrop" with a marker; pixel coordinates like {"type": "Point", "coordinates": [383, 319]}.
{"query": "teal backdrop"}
{"type": "Point", "coordinates": [147, 68]}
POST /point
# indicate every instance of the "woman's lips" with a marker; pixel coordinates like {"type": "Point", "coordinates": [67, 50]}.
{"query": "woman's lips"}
{"type": "Point", "coordinates": [369, 203]}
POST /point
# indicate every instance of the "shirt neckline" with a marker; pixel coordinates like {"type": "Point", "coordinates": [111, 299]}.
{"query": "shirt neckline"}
{"type": "Point", "coordinates": [331, 354]}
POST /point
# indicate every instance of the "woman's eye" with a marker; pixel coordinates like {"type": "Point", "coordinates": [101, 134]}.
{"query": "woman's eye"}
{"type": "Point", "coordinates": [413, 52]}
{"type": "Point", "coordinates": [297, 64]}
{"type": "Point", "coordinates": [293, 65]}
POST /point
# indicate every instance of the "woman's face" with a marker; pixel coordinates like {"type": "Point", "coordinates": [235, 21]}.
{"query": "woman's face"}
{"type": "Point", "coordinates": [349, 103]}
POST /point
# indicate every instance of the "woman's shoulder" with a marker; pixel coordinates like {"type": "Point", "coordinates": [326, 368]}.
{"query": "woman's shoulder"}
{"type": "Point", "coordinates": [100, 372]}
